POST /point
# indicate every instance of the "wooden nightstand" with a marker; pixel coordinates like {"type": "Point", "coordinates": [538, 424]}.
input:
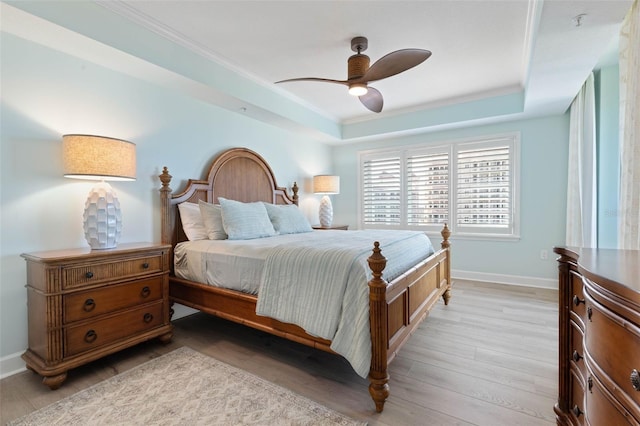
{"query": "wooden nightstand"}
{"type": "Point", "coordinates": [86, 304]}
{"type": "Point", "coordinates": [336, 227]}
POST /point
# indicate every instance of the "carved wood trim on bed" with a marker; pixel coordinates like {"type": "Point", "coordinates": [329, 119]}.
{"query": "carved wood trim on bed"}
{"type": "Point", "coordinates": [395, 308]}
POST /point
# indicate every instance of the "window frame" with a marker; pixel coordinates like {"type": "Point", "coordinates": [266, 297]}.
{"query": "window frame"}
{"type": "Point", "coordinates": [452, 148]}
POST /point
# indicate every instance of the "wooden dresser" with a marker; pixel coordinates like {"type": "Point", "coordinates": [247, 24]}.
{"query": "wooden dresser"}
{"type": "Point", "coordinates": [86, 304]}
{"type": "Point", "coordinates": [599, 350]}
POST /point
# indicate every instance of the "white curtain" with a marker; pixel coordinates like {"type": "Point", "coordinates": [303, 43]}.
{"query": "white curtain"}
{"type": "Point", "coordinates": [582, 199]}
{"type": "Point", "coordinates": [629, 221]}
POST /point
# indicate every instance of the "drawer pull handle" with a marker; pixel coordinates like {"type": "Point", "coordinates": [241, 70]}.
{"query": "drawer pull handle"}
{"type": "Point", "coordinates": [577, 301]}
{"type": "Point", "coordinates": [146, 291]}
{"type": "Point", "coordinates": [590, 383]}
{"type": "Point", "coordinates": [145, 265]}
{"type": "Point", "coordinates": [89, 305]}
{"type": "Point", "coordinates": [589, 313]}
{"type": "Point", "coordinates": [576, 411]}
{"type": "Point", "coordinates": [91, 336]}
{"type": "Point", "coordinates": [147, 318]}
{"type": "Point", "coordinates": [635, 379]}
{"type": "Point", "coordinates": [89, 274]}
{"type": "Point", "coordinates": [576, 356]}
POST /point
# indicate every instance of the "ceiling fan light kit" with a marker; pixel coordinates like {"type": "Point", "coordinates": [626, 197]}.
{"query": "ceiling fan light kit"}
{"type": "Point", "coordinates": [358, 89]}
{"type": "Point", "coordinates": [360, 73]}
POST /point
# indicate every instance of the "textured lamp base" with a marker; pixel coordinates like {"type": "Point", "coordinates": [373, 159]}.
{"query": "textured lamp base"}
{"type": "Point", "coordinates": [102, 217]}
{"type": "Point", "coordinates": [326, 212]}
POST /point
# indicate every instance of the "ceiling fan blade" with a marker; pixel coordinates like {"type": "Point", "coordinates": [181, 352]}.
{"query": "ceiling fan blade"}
{"type": "Point", "coordinates": [372, 100]}
{"type": "Point", "coordinates": [322, 80]}
{"type": "Point", "coordinates": [395, 63]}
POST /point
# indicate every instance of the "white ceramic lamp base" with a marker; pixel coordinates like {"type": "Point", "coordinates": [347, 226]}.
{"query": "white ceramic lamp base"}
{"type": "Point", "coordinates": [102, 217]}
{"type": "Point", "coordinates": [326, 212]}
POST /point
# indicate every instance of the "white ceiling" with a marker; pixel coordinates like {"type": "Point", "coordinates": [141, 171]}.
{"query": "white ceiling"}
{"type": "Point", "coordinates": [482, 49]}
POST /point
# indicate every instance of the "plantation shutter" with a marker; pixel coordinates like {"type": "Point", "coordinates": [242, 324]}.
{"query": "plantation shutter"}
{"type": "Point", "coordinates": [381, 179]}
{"type": "Point", "coordinates": [428, 189]}
{"type": "Point", "coordinates": [484, 187]}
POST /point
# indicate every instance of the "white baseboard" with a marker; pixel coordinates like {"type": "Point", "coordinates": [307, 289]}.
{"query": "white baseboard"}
{"type": "Point", "coordinates": [519, 280]}
{"type": "Point", "coordinates": [11, 364]}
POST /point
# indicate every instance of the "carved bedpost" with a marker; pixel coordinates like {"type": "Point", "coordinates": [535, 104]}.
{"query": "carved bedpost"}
{"type": "Point", "coordinates": [165, 207]}
{"type": "Point", "coordinates": [378, 375]}
{"type": "Point", "coordinates": [294, 188]}
{"type": "Point", "coordinates": [446, 296]}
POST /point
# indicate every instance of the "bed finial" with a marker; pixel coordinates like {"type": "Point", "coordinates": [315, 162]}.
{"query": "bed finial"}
{"type": "Point", "coordinates": [445, 237]}
{"type": "Point", "coordinates": [165, 178]}
{"type": "Point", "coordinates": [295, 188]}
{"type": "Point", "coordinates": [166, 217]}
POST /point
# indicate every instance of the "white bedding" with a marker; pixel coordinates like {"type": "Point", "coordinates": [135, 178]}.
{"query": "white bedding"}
{"type": "Point", "coordinates": [283, 269]}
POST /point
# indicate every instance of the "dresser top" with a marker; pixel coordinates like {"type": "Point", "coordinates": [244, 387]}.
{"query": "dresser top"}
{"type": "Point", "coordinates": [617, 269]}
{"type": "Point", "coordinates": [87, 252]}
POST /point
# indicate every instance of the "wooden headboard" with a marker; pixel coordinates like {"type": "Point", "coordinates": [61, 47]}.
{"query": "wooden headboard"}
{"type": "Point", "coordinates": [236, 174]}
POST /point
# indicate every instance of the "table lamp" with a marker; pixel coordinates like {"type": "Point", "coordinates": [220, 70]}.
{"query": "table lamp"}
{"type": "Point", "coordinates": [100, 158]}
{"type": "Point", "coordinates": [326, 185]}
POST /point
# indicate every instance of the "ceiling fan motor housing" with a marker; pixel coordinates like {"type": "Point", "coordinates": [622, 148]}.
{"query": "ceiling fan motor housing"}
{"type": "Point", "coordinates": [357, 65]}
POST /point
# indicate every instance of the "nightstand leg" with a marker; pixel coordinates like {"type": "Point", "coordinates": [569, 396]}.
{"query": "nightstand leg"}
{"type": "Point", "coordinates": [54, 382]}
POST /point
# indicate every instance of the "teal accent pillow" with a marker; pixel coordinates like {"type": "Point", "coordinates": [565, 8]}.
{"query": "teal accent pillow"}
{"type": "Point", "coordinates": [212, 218]}
{"type": "Point", "coordinates": [287, 219]}
{"type": "Point", "coordinates": [245, 221]}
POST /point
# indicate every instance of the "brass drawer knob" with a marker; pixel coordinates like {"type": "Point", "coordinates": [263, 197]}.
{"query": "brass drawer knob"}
{"type": "Point", "coordinates": [145, 265]}
{"type": "Point", "coordinates": [635, 380]}
{"type": "Point", "coordinates": [146, 291]}
{"type": "Point", "coordinates": [577, 301]}
{"type": "Point", "coordinates": [576, 356]}
{"type": "Point", "coordinates": [91, 336]}
{"type": "Point", "coordinates": [89, 305]}
{"type": "Point", "coordinates": [147, 318]}
{"type": "Point", "coordinates": [89, 275]}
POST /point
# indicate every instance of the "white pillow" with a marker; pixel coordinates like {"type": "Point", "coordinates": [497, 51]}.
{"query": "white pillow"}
{"type": "Point", "coordinates": [212, 218]}
{"type": "Point", "coordinates": [245, 221]}
{"type": "Point", "coordinates": [287, 219]}
{"type": "Point", "coordinates": [192, 222]}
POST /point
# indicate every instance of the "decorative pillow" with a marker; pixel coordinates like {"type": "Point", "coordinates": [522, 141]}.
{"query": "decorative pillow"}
{"type": "Point", "coordinates": [192, 222]}
{"type": "Point", "coordinates": [245, 221]}
{"type": "Point", "coordinates": [287, 219]}
{"type": "Point", "coordinates": [212, 218]}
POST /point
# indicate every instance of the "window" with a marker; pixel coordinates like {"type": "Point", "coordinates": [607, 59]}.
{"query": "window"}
{"type": "Point", "coordinates": [471, 185]}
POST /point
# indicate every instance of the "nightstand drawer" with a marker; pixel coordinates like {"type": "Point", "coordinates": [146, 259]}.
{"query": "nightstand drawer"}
{"type": "Point", "coordinates": [94, 273]}
{"type": "Point", "coordinates": [91, 335]}
{"type": "Point", "coordinates": [91, 303]}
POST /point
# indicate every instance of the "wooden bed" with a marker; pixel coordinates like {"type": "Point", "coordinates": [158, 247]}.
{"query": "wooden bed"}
{"type": "Point", "coordinates": [395, 308]}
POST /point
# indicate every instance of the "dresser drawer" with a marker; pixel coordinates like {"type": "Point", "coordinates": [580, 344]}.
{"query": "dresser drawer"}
{"type": "Point", "coordinates": [91, 303]}
{"type": "Point", "coordinates": [577, 309]}
{"type": "Point", "coordinates": [576, 400]}
{"type": "Point", "coordinates": [91, 335]}
{"type": "Point", "coordinates": [614, 345]}
{"type": "Point", "coordinates": [603, 409]}
{"type": "Point", "coordinates": [576, 352]}
{"type": "Point", "coordinates": [95, 273]}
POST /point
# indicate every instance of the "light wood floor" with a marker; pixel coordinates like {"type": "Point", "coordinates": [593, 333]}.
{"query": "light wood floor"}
{"type": "Point", "coordinates": [489, 358]}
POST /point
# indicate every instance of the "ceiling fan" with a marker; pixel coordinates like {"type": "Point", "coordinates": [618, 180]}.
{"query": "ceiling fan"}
{"type": "Point", "coordinates": [360, 74]}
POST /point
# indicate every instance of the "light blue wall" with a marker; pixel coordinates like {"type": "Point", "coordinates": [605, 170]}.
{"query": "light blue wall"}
{"type": "Point", "coordinates": [46, 94]}
{"type": "Point", "coordinates": [607, 119]}
{"type": "Point", "coordinates": [543, 176]}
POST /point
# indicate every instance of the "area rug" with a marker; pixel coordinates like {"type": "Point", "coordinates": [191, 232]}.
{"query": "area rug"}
{"type": "Point", "coordinates": [185, 387]}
